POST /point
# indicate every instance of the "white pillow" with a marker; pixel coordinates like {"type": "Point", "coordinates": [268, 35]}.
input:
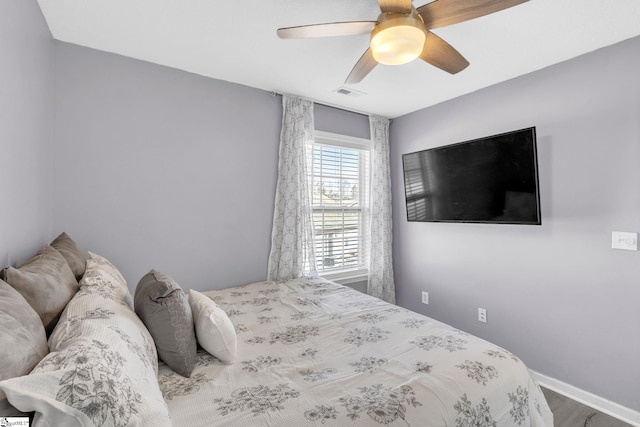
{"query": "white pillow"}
{"type": "Point", "coordinates": [214, 329]}
{"type": "Point", "coordinates": [101, 272]}
{"type": "Point", "coordinates": [102, 369]}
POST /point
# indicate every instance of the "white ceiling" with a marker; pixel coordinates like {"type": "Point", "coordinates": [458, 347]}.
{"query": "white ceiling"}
{"type": "Point", "coordinates": [236, 41]}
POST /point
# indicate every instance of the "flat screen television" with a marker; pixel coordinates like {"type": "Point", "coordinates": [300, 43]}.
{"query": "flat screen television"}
{"type": "Point", "coordinates": [487, 180]}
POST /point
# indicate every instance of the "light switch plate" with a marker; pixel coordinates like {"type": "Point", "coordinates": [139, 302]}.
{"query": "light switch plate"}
{"type": "Point", "coordinates": [425, 297]}
{"type": "Point", "coordinates": [482, 315]}
{"type": "Point", "coordinates": [624, 240]}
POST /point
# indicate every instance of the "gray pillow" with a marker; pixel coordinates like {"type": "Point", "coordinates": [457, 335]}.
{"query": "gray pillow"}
{"type": "Point", "coordinates": [71, 253]}
{"type": "Point", "coordinates": [23, 342]}
{"type": "Point", "coordinates": [164, 309]}
{"type": "Point", "coordinates": [46, 282]}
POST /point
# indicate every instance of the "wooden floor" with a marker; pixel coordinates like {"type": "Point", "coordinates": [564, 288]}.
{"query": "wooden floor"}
{"type": "Point", "coordinates": [569, 413]}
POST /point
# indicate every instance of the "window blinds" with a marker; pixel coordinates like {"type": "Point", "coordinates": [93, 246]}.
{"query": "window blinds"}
{"type": "Point", "coordinates": [338, 179]}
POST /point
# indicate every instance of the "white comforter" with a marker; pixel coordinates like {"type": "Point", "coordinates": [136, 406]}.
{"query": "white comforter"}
{"type": "Point", "coordinates": [313, 353]}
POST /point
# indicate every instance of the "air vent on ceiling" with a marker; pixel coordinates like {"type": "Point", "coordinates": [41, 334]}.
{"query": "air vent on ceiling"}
{"type": "Point", "coordinates": [348, 92]}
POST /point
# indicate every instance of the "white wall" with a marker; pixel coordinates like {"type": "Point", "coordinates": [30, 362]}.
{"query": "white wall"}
{"type": "Point", "coordinates": [26, 121]}
{"type": "Point", "coordinates": [557, 295]}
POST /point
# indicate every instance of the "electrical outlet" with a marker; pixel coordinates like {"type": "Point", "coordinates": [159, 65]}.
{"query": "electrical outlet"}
{"type": "Point", "coordinates": [425, 297]}
{"type": "Point", "coordinates": [482, 315]}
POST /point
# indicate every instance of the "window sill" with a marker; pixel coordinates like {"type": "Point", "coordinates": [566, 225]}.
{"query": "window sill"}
{"type": "Point", "coordinates": [346, 277]}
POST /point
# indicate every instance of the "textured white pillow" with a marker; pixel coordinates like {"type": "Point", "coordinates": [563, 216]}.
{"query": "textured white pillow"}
{"type": "Point", "coordinates": [101, 271]}
{"type": "Point", "coordinates": [214, 329]}
{"type": "Point", "coordinates": [102, 369]}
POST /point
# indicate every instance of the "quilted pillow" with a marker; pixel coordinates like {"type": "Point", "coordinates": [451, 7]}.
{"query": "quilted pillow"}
{"type": "Point", "coordinates": [71, 253]}
{"type": "Point", "coordinates": [164, 309]}
{"type": "Point", "coordinates": [102, 369]}
{"type": "Point", "coordinates": [214, 329]}
{"type": "Point", "coordinates": [46, 282]}
{"type": "Point", "coordinates": [102, 273]}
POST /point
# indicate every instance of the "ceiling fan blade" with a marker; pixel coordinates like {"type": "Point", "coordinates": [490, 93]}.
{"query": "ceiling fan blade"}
{"type": "Point", "coordinates": [441, 54]}
{"type": "Point", "coordinates": [365, 64]}
{"type": "Point", "coordinates": [395, 6]}
{"type": "Point", "coordinates": [441, 13]}
{"type": "Point", "coordinates": [327, 30]}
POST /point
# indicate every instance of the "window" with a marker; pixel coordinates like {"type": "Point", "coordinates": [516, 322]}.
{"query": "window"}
{"type": "Point", "coordinates": [338, 176]}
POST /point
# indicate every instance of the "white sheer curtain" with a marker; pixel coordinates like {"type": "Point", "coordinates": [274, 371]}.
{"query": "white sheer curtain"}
{"type": "Point", "coordinates": [292, 233]}
{"type": "Point", "coordinates": [381, 283]}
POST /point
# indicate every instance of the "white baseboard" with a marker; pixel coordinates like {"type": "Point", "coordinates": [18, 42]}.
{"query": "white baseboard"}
{"type": "Point", "coordinates": [608, 407]}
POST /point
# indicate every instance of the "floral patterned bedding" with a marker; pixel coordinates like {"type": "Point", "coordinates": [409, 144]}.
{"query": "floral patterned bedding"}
{"type": "Point", "coordinates": [311, 353]}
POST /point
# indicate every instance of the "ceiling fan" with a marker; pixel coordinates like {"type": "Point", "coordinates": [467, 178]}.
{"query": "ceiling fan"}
{"type": "Point", "coordinates": [402, 33]}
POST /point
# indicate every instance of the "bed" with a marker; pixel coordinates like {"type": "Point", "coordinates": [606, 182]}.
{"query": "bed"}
{"type": "Point", "coordinates": [309, 353]}
{"type": "Point", "coordinates": [312, 352]}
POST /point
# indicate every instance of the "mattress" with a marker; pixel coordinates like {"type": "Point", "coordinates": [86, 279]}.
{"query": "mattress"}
{"type": "Point", "coordinates": [311, 353]}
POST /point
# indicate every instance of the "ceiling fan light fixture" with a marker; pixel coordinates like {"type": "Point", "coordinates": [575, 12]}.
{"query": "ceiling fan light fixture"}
{"type": "Point", "coordinates": [398, 40]}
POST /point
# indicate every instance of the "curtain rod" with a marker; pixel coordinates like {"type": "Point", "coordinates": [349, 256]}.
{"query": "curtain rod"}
{"type": "Point", "coordinates": [274, 94]}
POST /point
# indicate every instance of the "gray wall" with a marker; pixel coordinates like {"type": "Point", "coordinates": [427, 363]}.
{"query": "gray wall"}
{"type": "Point", "coordinates": [342, 122]}
{"type": "Point", "coordinates": [26, 120]}
{"type": "Point", "coordinates": [159, 168]}
{"type": "Point", "coordinates": [557, 295]}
